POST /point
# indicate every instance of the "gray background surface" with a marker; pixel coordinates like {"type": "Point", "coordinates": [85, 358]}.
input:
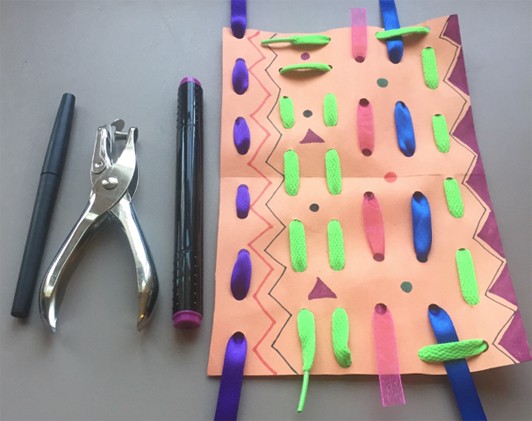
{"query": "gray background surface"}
{"type": "Point", "coordinates": [125, 59]}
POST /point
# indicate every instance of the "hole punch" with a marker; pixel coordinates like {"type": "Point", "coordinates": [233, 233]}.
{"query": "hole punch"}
{"type": "Point", "coordinates": [114, 178]}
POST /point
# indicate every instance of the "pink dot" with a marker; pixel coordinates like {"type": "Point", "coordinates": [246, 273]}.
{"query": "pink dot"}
{"type": "Point", "coordinates": [390, 177]}
{"type": "Point", "coordinates": [305, 56]}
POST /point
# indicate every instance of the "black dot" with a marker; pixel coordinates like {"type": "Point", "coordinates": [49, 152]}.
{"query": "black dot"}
{"type": "Point", "coordinates": [314, 207]}
{"type": "Point", "coordinates": [307, 113]}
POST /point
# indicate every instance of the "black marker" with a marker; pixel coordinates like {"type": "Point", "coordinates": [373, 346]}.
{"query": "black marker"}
{"type": "Point", "coordinates": [43, 207]}
{"type": "Point", "coordinates": [188, 263]}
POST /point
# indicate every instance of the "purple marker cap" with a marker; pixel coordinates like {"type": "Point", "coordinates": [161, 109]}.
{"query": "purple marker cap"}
{"type": "Point", "coordinates": [187, 319]}
{"type": "Point", "coordinates": [190, 79]}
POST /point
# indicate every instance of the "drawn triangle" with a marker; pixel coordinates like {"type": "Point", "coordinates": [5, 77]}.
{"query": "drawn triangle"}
{"type": "Point", "coordinates": [311, 137]}
{"type": "Point", "coordinates": [321, 290]}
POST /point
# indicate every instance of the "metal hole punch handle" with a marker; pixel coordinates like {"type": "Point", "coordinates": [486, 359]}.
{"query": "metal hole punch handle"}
{"type": "Point", "coordinates": [147, 284]}
{"type": "Point", "coordinates": [55, 280]}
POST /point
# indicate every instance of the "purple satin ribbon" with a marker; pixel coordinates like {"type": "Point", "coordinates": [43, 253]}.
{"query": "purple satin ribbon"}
{"type": "Point", "coordinates": [238, 18]}
{"type": "Point", "coordinates": [242, 201]}
{"type": "Point", "coordinates": [241, 136]}
{"type": "Point", "coordinates": [241, 276]}
{"type": "Point", "coordinates": [231, 381]}
{"type": "Point", "coordinates": [240, 76]}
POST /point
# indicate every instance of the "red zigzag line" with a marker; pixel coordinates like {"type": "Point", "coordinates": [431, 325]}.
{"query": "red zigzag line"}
{"type": "Point", "coordinates": [268, 225]}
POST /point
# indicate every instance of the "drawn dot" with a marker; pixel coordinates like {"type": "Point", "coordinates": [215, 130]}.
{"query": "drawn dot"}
{"type": "Point", "coordinates": [379, 257]}
{"type": "Point", "coordinates": [363, 102]}
{"type": "Point", "coordinates": [406, 286]}
{"type": "Point", "coordinates": [390, 177]}
{"type": "Point", "coordinates": [314, 207]}
{"type": "Point", "coordinates": [305, 56]}
{"type": "Point", "coordinates": [383, 83]}
{"type": "Point", "coordinates": [307, 113]}
{"type": "Point", "coordinates": [366, 152]}
{"type": "Point", "coordinates": [359, 59]}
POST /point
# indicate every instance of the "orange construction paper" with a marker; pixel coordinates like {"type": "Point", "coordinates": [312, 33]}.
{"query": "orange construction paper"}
{"type": "Point", "coordinates": [267, 315]}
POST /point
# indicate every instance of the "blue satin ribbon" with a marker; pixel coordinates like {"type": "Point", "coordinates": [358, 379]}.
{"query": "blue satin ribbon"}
{"type": "Point", "coordinates": [404, 129]}
{"type": "Point", "coordinates": [238, 18]}
{"type": "Point", "coordinates": [391, 21]}
{"type": "Point", "coordinates": [464, 389]}
{"type": "Point", "coordinates": [421, 226]}
{"type": "Point", "coordinates": [231, 381]}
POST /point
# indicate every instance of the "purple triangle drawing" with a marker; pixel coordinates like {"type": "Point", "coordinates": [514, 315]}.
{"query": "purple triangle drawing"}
{"type": "Point", "coordinates": [321, 290]}
{"type": "Point", "coordinates": [311, 137]}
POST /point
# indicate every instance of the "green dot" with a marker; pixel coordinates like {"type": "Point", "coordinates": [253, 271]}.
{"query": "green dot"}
{"type": "Point", "coordinates": [383, 83]}
{"type": "Point", "coordinates": [406, 286]}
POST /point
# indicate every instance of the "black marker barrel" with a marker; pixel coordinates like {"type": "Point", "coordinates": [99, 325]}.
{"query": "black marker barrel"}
{"type": "Point", "coordinates": [188, 263]}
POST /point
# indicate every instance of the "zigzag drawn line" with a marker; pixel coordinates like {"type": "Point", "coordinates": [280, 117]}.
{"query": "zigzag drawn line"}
{"type": "Point", "coordinates": [270, 293]}
{"type": "Point", "coordinates": [464, 182]}
{"type": "Point", "coordinates": [268, 225]}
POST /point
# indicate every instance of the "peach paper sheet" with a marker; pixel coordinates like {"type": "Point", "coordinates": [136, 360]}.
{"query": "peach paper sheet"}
{"type": "Point", "coordinates": [267, 316]}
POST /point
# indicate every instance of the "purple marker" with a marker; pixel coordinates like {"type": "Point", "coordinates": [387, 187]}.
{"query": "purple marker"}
{"type": "Point", "coordinates": [188, 263]}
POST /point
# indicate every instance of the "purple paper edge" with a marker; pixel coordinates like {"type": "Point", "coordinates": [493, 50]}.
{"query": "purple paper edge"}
{"type": "Point", "coordinates": [514, 340]}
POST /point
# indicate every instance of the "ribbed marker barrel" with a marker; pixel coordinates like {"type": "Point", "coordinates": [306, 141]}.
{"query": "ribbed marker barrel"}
{"type": "Point", "coordinates": [188, 263]}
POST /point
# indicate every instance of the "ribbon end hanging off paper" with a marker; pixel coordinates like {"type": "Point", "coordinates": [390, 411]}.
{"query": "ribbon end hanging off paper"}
{"type": "Point", "coordinates": [238, 18]}
{"type": "Point", "coordinates": [391, 21]}
{"type": "Point", "coordinates": [464, 389]}
{"type": "Point", "coordinates": [359, 34]}
{"type": "Point", "coordinates": [392, 393]}
{"type": "Point", "coordinates": [231, 380]}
